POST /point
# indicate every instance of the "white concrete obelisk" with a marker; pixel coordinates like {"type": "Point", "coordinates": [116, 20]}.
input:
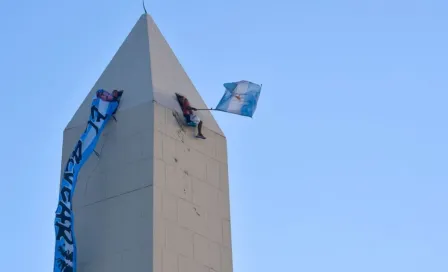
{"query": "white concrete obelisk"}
{"type": "Point", "coordinates": [157, 199]}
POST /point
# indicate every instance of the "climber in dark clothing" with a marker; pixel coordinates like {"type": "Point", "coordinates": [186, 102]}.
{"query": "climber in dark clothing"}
{"type": "Point", "coordinates": [191, 118]}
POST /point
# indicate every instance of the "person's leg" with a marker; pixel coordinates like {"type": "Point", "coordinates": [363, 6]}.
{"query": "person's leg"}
{"type": "Point", "coordinates": [200, 131]}
{"type": "Point", "coordinates": [200, 128]}
{"type": "Point", "coordinates": [198, 123]}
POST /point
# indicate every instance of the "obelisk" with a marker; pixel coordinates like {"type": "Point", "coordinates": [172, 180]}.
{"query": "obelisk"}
{"type": "Point", "coordinates": [155, 198]}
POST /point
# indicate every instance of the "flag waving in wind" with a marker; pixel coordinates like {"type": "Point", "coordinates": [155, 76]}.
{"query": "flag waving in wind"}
{"type": "Point", "coordinates": [240, 98]}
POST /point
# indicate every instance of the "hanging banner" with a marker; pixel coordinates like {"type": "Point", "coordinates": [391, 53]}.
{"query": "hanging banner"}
{"type": "Point", "coordinates": [104, 105]}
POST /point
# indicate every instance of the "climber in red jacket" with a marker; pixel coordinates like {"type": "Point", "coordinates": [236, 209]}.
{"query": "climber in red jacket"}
{"type": "Point", "coordinates": [191, 118]}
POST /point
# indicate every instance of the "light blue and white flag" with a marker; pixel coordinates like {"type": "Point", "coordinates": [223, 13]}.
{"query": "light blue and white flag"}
{"type": "Point", "coordinates": [103, 107]}
{"type": "Point", "coordinates": [240, 98]}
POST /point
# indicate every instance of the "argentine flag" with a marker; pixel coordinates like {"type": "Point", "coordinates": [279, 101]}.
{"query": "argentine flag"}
{"type": "Point", "coordinates": [240, 98]}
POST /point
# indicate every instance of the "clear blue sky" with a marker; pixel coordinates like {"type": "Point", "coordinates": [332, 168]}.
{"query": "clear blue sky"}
{"type": "Point", "coordinates": [345, 165]}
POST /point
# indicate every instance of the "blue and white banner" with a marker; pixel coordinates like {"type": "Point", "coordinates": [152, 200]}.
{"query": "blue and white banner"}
{"type": "Point", "coordinates": [240, 98]}
{"type": "Point", "coordinates": [103, 107]}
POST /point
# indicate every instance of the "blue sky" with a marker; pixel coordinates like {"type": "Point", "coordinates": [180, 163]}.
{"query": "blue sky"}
{"type": "Point", "coordinates": [344, 166]}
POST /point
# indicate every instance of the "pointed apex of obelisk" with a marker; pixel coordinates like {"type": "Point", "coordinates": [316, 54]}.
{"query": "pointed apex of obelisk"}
{"type": "Point", "coordinates": [146, 68]}
{"type": "Point", "coordinates": [129, 70]}
{"type": "Point", "coordinates": [169, 77]}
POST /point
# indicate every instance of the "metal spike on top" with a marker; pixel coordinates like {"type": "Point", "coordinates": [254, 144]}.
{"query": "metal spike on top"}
{"type": "Point", "coordinates": [144, 7]}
